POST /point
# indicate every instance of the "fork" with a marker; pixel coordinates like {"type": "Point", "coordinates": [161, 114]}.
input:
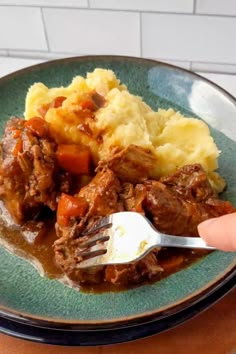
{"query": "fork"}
{"type": "Point", "coordinates": [126, 237]}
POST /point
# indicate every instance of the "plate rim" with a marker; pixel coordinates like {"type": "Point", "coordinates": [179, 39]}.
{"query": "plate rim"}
{"type": "Point", "coordinates": [25, 316]}
{"type": "Point", "coordinates": [86, 324]}
{"type": "Point", "coordinates": [188, 300]}
{"type": "Point", "coordinates": [151, 328]}
{"type": "Point", "coordinates": [114, 57]}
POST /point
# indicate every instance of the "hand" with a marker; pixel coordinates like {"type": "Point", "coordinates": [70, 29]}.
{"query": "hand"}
{"type": "Point", "coordinates": [220, 232]}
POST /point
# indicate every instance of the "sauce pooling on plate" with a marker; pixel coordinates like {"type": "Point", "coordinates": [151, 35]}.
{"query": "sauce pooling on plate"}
{"type": "Point", "coordinates": [38, 250]}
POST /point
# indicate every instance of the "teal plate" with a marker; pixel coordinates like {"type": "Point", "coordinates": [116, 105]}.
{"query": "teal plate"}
{"type": "Point", "coordinates": [117, 335]}
{"type": "Point", "coordinates": [26, 296]}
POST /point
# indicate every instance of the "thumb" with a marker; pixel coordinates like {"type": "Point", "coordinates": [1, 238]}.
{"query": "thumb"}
{"type": "Point", "coordinates": [220, 232]}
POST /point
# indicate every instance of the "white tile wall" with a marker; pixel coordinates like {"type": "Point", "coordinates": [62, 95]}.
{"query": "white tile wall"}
{"type": "Point", "coordinates": [39, 55]}
{"type": "Point", "coordinates": [51, 3]}
{"type": "Point", "coordinates": [182, 64]}
{"type": "Point", "coordinates": [194, 34]}
{"type": "Point", "coordinates": [214, 68]}
{"type": "Point", "coordinates": [145, 5]}
{"type": "Point", "coordinates": [21, 28]}
{"type": "Point", "coordinates": [8, 65]}
{"type": "Point", "coordinates": [187, 37]}
{"type": "Point", "coordinates": [219, 7]}
{"type": "Point", "coordinates": [225, 81]}
{"type": "Point", "coordinates": [89, 31]}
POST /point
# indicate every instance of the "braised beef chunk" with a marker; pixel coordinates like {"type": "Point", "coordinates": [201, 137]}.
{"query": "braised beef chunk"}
{"type": "Point", "coordinates": [186, 198]}
{"type": "Point", "coordinates": [123, 274]}
{"type": "Point", "coordinates": [102, 195]}
{"type": "Point", "coordinates": [163, 208]}
{"type": "Point", "coordinates": [67, 257]}
{"type": "Point", "coordinates": [175, 204]}
{"type": "Point", "coordinates": [132, 164]}
{"type": "Point", "coordinates": [190, 182]}
{"type": "Point", "coordinates": [133, 197]}
{"type": "Point", "coordinates": [105, 195]}
{"type": "Point", "coordinates": [27, 168]}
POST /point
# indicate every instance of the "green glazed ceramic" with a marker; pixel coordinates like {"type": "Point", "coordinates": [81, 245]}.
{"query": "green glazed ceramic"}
{"type": "Point", "coordinates": [26, 296]}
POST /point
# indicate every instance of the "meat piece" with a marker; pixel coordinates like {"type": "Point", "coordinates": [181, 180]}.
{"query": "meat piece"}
{"type": "Point", "coordinates": [28, 171]}
{"type": "Point", "coordinates": [182, 201]}
{"type": "Point", "coordinates": [125, 274]}
{"type": "Point", "coordinates": [133, 164]}
{"type": "Point", "coordinates": [67, 257]}
{"type": "Point", "coordinates": [163, 207]}
{"type": "Point", "coordinates": [190, 182]}
{"type": "Point", "coordinates": [133, 197]}
{"type": "Point", "coordinates": [102, 196]}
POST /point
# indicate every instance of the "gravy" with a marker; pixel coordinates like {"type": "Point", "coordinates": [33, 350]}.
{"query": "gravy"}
{"type": "Point", "coordinates": [40, 254]}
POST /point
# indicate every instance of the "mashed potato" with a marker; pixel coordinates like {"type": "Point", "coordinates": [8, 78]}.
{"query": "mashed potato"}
{"type": "Point", "coordinates": [125, 119]}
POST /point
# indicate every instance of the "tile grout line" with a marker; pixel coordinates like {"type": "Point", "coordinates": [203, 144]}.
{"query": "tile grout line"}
{"type": "Point", "coordinates": [82, 8]}
{"type": "Point", "coordinates": [5, 54]}
{"type": "Point", "coordinates": [194, 6]}
{"type": "Point", "coordinates": [88, 3]}
{"type": "Point", "coordinates": [194, 62]}
{"type": "Point", "coordinates": [140, 35]}
{"type": "Point", "coordinates": [42, 52]}
{"type": "Point", "coordinates": [43, 55]}
{"type": "Point", "coordinates": [45, 29]}
{"type": "Point", "coordinates": [46, 55]}
{"type": "Point", "coordinates": [188, 14]}
{"type": "Point", "coordinates": [209, 70]}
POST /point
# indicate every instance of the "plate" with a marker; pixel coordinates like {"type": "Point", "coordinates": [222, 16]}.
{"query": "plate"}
{"type": "Point", "coordinates": [27, 297]}
{"type": "Point", "coordinates": [126, 334]}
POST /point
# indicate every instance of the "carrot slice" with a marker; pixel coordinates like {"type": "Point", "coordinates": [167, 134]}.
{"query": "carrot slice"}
{"type": "Point", "coordinates": [69, 206]}
{"type": "Point", "coordinates": [94, 102]}
{"type": "Point", "coordinates": [38, 126]}
{"type": "Point", "coordinates": [57, 102]}
{"type": "Point", "coordinates": [88, 104]}
{"type": "Point", "coordinates": [74, 158]}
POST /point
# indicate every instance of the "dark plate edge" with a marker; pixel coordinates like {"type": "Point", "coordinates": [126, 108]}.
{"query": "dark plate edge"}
{"type": "Point", "coordinates": [113, 57]}
{"type": "Point", "coordinates": [118, 324]}
{"type": "Point", "coordinates": [94, 338]}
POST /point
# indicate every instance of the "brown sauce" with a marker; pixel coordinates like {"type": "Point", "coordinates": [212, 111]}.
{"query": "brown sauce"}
{"type": "Point", "coordinates": [41, 255]}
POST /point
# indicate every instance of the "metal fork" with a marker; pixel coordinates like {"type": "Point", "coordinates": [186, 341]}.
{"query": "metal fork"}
{"type": "Point", "coordinates": [126, 237]}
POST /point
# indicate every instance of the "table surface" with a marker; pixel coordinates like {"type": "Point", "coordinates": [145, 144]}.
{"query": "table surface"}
{"type": "Point", "coordinates": [213, 331]}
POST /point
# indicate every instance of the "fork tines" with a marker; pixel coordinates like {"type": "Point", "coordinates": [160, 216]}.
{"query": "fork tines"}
{"type": "Point", "coordinates": [89, 241]}
{"type": "Point", "coordinates": [103, 223]}
{"type": "Point", "coordinates": [91, 253]}
{"type": "Point", "coordinates": [91, 246]}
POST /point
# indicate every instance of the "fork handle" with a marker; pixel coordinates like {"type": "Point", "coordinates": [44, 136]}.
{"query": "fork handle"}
{"type": "Point", "coordinates": [183, 242]}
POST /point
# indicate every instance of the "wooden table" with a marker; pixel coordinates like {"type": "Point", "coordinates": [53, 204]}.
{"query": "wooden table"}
{"type": "Point", "coordinates": [212, 332]}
